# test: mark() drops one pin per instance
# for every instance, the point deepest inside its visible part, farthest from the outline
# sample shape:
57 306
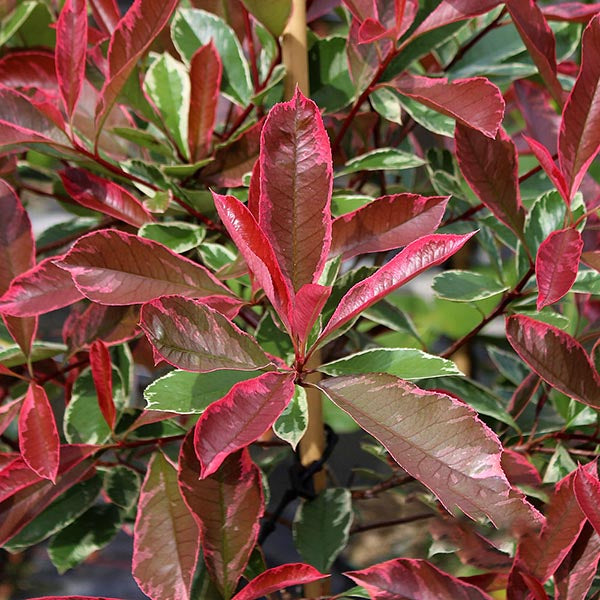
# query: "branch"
391 523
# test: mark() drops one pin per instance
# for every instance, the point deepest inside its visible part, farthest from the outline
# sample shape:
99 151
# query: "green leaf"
407 363
387 103
322 526
508 364
428 118
192 28
293 421
122 486
330 83
587 282
168 85
216 256
93 530
178 236
382 159
83 420
385 313
144 139
343 202
190 393
61 513
560 465
11 23
274 14
466 286
36 30
12 356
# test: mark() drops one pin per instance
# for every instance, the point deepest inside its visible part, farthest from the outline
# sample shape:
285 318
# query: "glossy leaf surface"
102 375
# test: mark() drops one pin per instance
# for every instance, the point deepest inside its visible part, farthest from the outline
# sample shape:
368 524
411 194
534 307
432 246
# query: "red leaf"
587 492
166 540
386 223
240 418
308 304
205 78
256 250
227 507
575 575
106 14
539 40
579 137
451 11
278 578
413 578
474 102
519 470
106 197
254 191
362 9
38 436
438 440
295 187
31 69
24 505
540 554
556 357
194 337
42 289
7 413
574 12
71 47
491 170
132 37
591 259
556 265
113 267
102 376
16 476
372 30
74 598
418 256
547 163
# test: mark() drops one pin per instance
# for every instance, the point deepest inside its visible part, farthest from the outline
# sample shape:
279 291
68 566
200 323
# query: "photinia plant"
256 278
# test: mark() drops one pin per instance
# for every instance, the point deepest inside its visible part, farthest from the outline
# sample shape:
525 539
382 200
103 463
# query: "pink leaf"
113 267
23 506
106 14
418 256
278 578
587 492
474 102
16 476
556 357
38 436
575 575
556 265
579 137
451 11
491 170
362 9
519 470
413 578
44 288
71 47
308 304
574 12
240 418
254 191
386 223
166 540
8 412
103 195
547 163
194 337
30 69
438 440
227 507
132 37
296 181
539 40
372 30
205 78
256 250
102 376
540 554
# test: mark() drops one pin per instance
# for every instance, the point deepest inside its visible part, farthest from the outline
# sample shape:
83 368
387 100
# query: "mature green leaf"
466 286
407 363
381 159
12 356
178 236
122 486
10 24
587 282
322 527
273 13
293 421
386 102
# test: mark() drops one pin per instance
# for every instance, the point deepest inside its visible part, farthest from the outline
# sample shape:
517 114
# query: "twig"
392 482
391 523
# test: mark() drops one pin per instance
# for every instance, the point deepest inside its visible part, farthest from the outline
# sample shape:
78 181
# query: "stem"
391 523
388 484
251 49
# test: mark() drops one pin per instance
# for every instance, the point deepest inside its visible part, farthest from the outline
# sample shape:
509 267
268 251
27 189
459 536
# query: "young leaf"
166 539
322 527
439 441
580 129
194 337
556 357
406 363
249 409
413 578
132 37
102 375
113 267
386 223
206 70
307 306
295 187
293 421
572 12
474 102
547 163
278 578
71 48
491 170
556 265
450 11
587 492
38 436
419 255
106 14
227 507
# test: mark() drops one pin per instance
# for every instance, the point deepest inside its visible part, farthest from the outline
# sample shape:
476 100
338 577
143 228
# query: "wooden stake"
294 53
